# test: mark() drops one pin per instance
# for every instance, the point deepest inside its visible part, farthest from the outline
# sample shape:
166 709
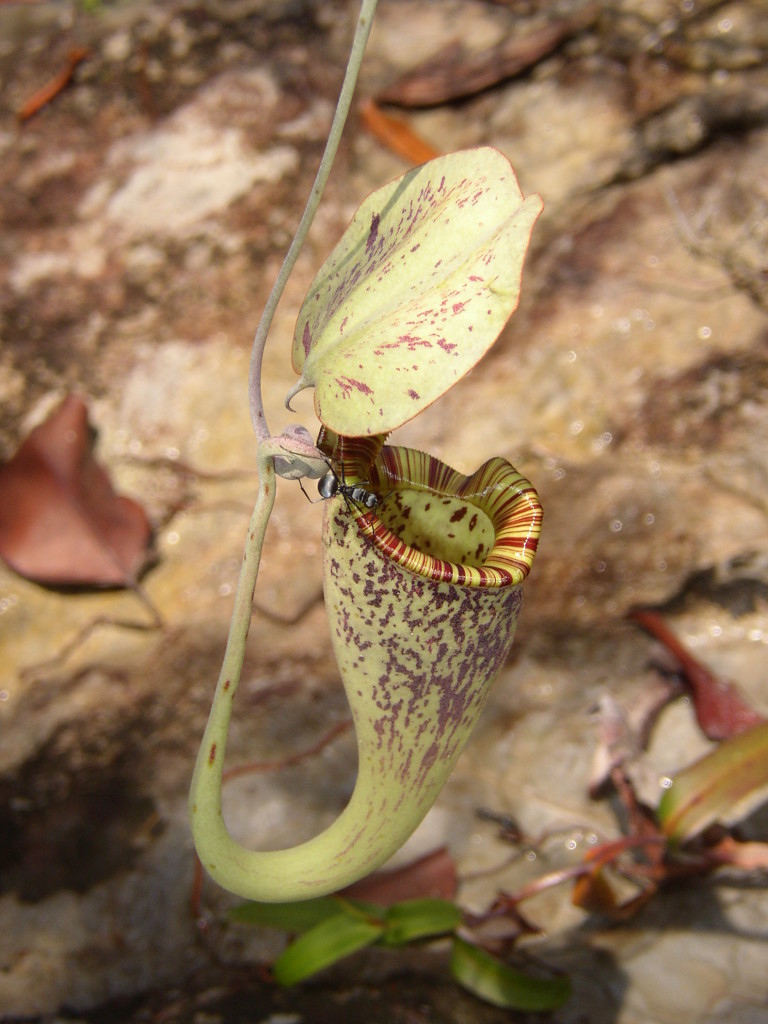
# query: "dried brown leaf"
722 710
432 876
453 74
61 522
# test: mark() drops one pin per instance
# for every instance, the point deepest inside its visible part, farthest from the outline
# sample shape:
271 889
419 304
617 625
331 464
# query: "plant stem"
362 31
205 791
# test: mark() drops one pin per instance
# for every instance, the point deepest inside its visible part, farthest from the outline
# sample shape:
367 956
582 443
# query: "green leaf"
416 291
722 786
291 917
496 983
325 944
419 919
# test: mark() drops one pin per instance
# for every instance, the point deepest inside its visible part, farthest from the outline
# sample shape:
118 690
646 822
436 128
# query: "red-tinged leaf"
720 787
433 876
61 523
721 708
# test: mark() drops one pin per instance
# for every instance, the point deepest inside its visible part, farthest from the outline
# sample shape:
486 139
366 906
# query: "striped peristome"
480 530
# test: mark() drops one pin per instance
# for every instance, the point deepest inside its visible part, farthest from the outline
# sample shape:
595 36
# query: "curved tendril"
362 31
208 829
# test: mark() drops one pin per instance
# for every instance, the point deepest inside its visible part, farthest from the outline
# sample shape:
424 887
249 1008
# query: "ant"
330 485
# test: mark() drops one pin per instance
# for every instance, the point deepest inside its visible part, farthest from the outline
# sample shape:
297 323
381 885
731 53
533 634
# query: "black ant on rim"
330 485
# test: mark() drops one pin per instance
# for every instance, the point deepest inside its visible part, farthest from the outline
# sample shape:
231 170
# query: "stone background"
144 214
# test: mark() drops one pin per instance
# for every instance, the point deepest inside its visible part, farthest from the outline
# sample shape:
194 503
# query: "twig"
52 88
395 134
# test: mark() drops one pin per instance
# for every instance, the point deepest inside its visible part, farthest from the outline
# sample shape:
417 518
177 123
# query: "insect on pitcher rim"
480 530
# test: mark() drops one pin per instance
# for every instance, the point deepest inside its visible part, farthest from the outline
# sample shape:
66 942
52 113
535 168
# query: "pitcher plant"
422 566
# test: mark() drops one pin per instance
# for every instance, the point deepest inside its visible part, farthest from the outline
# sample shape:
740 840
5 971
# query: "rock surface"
145 212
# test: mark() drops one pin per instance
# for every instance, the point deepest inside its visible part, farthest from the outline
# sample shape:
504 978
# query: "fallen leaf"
61 522
453 73
722 710
433 875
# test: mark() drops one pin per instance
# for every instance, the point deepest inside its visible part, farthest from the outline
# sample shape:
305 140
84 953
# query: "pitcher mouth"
477 531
